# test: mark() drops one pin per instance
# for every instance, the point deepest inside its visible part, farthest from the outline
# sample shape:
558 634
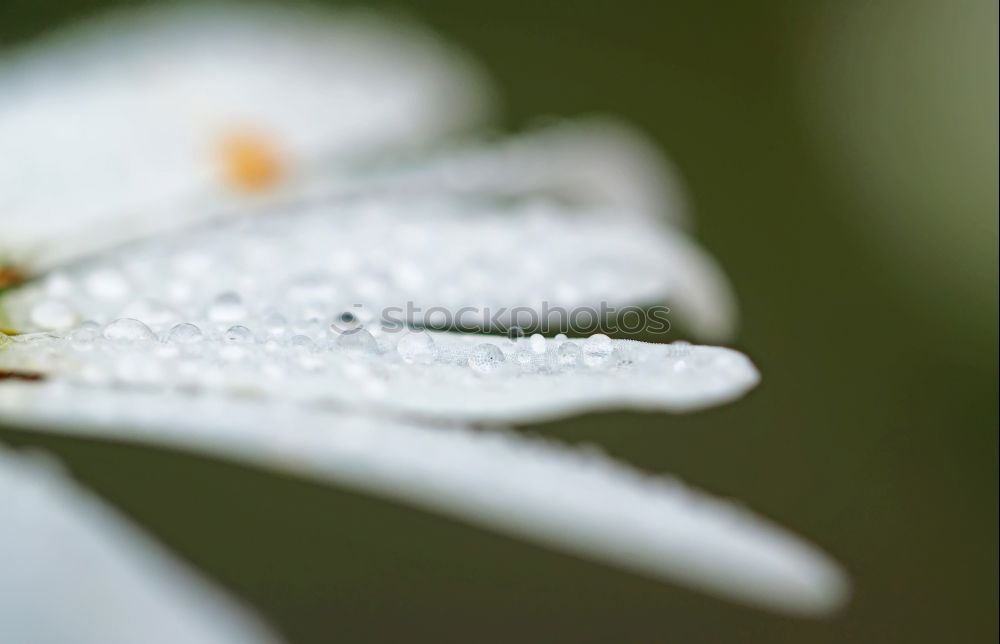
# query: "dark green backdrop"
874 432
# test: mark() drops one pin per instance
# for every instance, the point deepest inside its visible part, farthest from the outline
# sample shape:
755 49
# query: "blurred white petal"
598 165
72 570
577 500
318 260
129 123
597 162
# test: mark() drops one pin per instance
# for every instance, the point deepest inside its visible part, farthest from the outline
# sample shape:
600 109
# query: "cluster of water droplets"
263 354
315 261
294 305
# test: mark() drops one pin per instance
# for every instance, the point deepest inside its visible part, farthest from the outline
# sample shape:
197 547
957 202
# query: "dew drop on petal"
85 334
302 343
527 360
184 333
487 358
417 347
538 343
621 356
358 341
239 334
596 350
345 320
53 315
127 330
227 307
569 354
680 348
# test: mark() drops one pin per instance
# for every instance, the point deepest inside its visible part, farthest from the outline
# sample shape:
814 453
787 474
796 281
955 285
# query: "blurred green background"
841 159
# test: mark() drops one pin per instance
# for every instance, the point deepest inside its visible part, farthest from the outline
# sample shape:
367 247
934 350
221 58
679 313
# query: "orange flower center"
250 161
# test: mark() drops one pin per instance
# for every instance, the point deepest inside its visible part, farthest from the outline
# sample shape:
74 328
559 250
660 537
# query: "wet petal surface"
421 374
473 263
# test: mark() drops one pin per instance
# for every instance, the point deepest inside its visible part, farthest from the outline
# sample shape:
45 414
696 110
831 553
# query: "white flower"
147 122
280 334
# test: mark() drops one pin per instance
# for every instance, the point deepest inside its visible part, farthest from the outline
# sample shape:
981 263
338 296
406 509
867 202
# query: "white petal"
468 377
317 260
595 161
72 570
599 164
121 121
573 499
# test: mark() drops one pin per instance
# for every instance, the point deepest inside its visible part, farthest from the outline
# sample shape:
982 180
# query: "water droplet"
302 343
487 358
538 343
569 354
679 349
596 350
417 347
239 334
184 333
227 307
357 341
621 356
515 333
127 330
85 334
528 360
54 315
345 321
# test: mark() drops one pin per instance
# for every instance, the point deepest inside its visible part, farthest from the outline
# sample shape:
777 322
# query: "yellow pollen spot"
250 162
